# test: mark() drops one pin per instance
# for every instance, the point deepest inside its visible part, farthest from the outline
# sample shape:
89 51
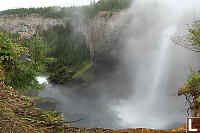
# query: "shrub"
21 60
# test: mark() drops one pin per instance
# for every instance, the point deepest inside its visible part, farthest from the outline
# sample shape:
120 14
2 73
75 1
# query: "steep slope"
19 114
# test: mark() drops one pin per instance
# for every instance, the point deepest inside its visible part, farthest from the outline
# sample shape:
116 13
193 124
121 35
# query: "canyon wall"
28 25
97 31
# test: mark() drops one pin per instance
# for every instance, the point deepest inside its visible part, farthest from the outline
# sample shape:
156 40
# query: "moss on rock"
63 74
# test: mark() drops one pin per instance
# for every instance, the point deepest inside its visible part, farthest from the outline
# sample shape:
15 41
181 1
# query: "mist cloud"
141 91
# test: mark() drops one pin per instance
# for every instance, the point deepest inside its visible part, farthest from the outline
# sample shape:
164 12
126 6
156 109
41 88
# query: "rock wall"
101 35
98 31
28 25
96 35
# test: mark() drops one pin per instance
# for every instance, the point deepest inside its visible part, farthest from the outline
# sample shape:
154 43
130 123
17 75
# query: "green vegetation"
9 50
192 40
67 46
48 12
19 71
106 5
194 83
18 114
194 36
198 99
58 12
69 49
84 73
68 57
191 89
192 86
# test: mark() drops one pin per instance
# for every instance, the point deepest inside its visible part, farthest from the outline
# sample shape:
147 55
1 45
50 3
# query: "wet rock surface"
48 104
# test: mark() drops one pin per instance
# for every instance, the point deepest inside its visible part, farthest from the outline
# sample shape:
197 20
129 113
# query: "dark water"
83 104
97 109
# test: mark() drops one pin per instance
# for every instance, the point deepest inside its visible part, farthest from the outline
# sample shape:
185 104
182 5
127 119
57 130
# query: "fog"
158 67
142 91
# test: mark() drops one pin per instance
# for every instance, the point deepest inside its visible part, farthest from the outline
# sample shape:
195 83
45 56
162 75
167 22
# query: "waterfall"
160 60
157 66
142 91
42 80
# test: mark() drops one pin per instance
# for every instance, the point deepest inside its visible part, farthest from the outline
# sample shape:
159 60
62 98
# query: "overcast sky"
10 4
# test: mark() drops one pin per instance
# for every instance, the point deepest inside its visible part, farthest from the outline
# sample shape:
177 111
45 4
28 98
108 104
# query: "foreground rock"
139 130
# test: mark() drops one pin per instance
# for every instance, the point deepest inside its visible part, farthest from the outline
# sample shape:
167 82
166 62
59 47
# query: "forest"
21 60
69 51
60 12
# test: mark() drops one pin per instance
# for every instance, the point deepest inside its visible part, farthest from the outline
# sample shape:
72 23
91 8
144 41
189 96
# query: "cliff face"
28 25
97 31
97 35
102 37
